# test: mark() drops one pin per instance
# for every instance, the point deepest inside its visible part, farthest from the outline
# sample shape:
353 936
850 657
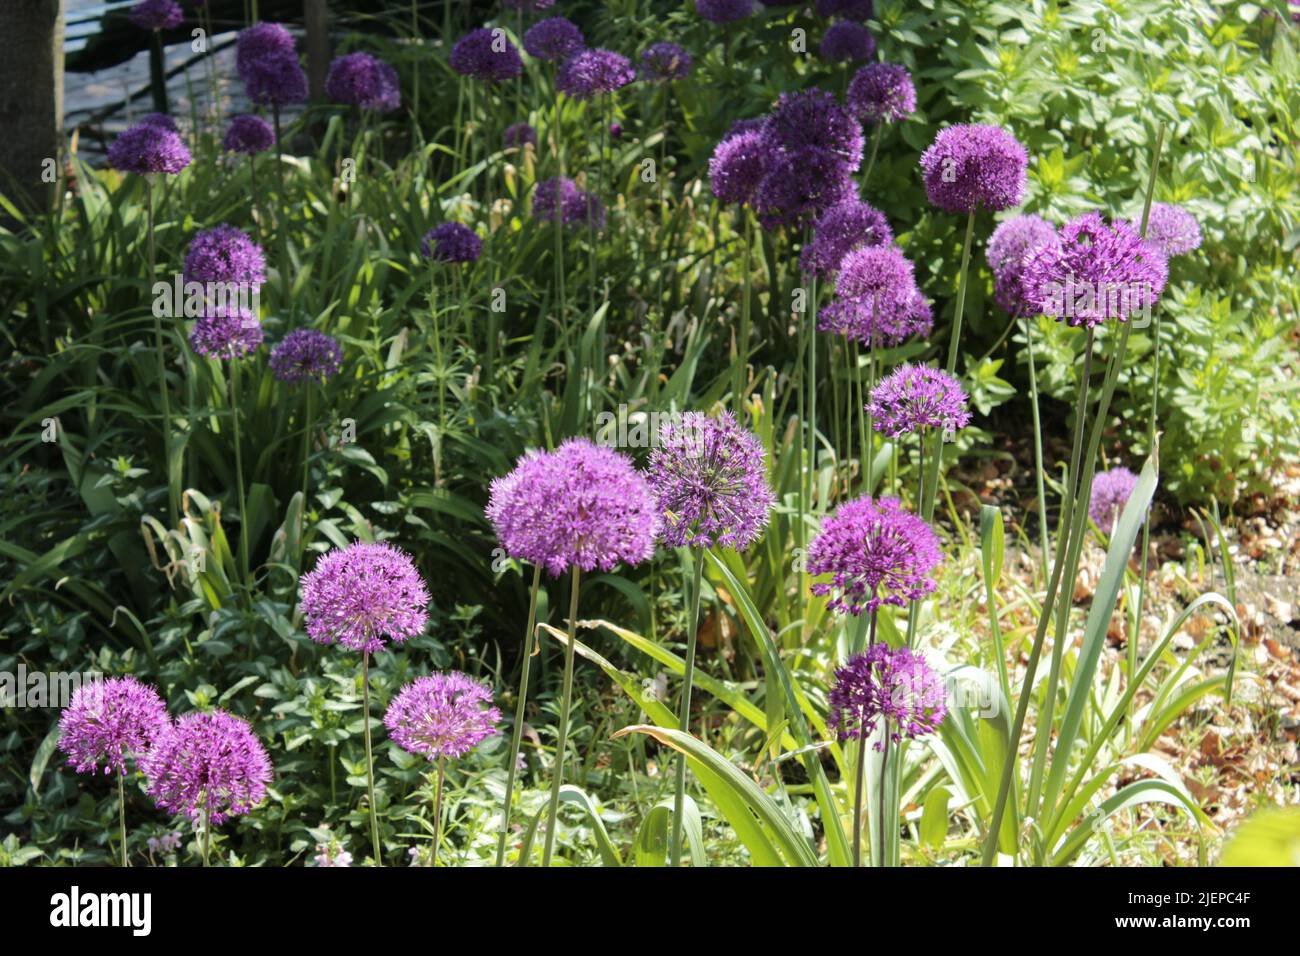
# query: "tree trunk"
31 98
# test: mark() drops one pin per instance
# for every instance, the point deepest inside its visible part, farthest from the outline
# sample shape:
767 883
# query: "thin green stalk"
742 346
684 712
961 295
239 474
885 852
562 740
875 148
173 481
516 734
812 388
1038 446
121 816
207 830
370 757
860 786
437 807
306 465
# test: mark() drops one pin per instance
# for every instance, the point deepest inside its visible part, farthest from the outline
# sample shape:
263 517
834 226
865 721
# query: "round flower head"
1010 248
360 595
1172 229
306 355
362 80
724 11
442 715
226 334
709 477
581 505
800 185
895 684
589 73
914 397
882 93
148 148
157 14
876 553
225 254
519 134
249 134
876 297
970 167
109 722
451 242
846 41
159 119
209 762
848 9
814 119
486 54
1110 492
553 39
841 229
664 61
560 200
738 165
1097 271
260 42
276 81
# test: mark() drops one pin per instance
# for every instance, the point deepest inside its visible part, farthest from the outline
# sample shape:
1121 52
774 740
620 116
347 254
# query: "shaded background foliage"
1082 85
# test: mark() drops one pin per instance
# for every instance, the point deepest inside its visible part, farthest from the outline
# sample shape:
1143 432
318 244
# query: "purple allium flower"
110 721
664 61
365 81
1010 248
362 594
148 148
553 39
615 130
266 58
518 134
848 9
249 134
208 762
225 254
846 41
451 242
589 73
164 121
882 93
260 42
914 397
709 476
877 301
724 11
1110 492
813 118
1095 272
306 354
442 715
738 165
226 334
486 54
561 199
157 14
798 186
876 553
894 684
974 166
841 229
1172 229
582 504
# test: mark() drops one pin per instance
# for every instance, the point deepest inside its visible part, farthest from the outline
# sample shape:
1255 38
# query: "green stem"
875 147
1038 446
207 830
562 739
437 807
742 347
121 816
173 481
516 735
859 786
239 473
370 758
885 853
684 712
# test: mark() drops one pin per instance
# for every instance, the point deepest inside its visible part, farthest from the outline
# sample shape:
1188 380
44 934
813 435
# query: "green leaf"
652 837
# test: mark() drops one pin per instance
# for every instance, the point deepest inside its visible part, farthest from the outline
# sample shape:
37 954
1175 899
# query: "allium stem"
875 147
173 481
742 346
562 739
239 474
1038 445
684 712
121 815
885 850
861 785
521 702
812 387
961 295
207 829
306 469
370 758
437 807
